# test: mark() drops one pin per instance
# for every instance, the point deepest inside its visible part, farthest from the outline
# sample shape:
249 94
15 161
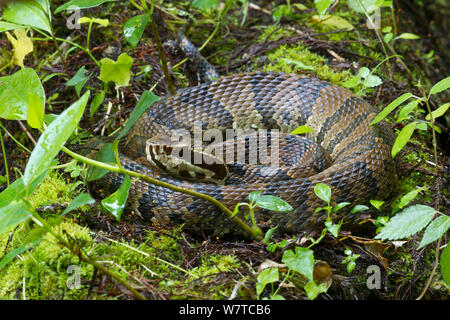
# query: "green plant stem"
88 40
84 257
256 234
427 103
14 139
436 262
161 53
4 158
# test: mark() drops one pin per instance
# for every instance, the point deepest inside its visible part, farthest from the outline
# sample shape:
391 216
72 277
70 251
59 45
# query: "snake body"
361 166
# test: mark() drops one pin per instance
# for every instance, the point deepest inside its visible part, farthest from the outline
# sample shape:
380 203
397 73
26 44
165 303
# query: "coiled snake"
360 165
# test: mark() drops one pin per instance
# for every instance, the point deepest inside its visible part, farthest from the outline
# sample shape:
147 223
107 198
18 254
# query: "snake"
355 161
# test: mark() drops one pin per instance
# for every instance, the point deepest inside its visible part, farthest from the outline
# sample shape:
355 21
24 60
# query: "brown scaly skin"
362 167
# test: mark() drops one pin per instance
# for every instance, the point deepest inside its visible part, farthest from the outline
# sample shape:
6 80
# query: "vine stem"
84 257
4 158
255 234
436 262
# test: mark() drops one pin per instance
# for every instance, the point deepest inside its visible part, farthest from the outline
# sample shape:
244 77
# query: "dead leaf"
322 273
22 45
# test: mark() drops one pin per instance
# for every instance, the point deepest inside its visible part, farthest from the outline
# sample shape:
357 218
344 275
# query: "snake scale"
361 166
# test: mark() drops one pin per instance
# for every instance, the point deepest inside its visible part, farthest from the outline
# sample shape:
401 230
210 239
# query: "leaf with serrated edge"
407 222
435 230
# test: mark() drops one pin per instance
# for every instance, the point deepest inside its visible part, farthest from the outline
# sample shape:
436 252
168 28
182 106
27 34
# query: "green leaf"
273 203
372 81
53 139
78 80
408 36
407 198
363 72
134 28
14 96
254 196
445 264
14 253
105 155
333 21
15 212
323 192
340 205
403 138
204 4
322 6
81 4
302 261
35 114
377 203
302 129
332 228
388 37
442 85
437 228
359 208
406 110
146 100
115 203
391 107
6 26
407 222
439 111
27 14
80 200
265 277
313 290
363 6
117 71
96 102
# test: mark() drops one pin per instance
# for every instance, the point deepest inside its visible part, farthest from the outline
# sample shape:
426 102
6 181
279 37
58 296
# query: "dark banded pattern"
361 167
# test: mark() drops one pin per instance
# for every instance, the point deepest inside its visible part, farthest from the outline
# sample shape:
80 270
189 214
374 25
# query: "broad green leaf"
313 290
359 208
115 203
437 228
323 192
445 264
105 155
332 228
102 22
80 200
372 81
96 102
35 114
273 203
265 277
391 107
146 100
363 6
15 212
439 111
403 138
117 71
322 6
14 96
302 261
279 12
334 21
6 26
388 37
134 28
204 4
407 198
254 196
340 205
53 139
363 72
408 36
377 203
14 253
442 85
27 14
17 190
407 222
302 129
406 110
81 4
78 80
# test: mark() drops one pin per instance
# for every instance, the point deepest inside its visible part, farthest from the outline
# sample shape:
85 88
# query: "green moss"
293 59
